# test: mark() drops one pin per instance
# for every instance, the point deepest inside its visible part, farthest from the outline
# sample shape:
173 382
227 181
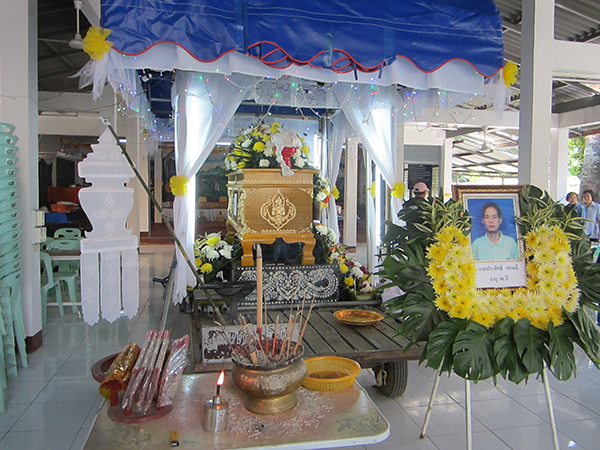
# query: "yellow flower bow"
372 189
179 185
398 190
95 43
335 193
510 73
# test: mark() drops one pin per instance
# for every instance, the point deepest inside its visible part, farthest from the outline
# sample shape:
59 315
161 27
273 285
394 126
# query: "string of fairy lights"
134 100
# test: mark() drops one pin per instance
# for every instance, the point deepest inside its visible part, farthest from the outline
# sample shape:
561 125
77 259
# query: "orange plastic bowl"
330 373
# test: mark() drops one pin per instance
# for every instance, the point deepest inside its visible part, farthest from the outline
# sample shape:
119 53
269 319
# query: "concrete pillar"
446 169
350 193
536 92
137 148
158 182
18 105
559 161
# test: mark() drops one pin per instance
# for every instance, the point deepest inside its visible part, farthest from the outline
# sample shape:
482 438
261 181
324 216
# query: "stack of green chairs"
12 328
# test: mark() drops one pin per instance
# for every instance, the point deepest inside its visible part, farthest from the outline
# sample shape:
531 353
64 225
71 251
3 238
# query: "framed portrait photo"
495 239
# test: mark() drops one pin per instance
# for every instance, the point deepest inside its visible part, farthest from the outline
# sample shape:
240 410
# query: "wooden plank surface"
325 335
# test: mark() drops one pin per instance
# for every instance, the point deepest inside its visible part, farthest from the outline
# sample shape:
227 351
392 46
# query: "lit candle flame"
220 381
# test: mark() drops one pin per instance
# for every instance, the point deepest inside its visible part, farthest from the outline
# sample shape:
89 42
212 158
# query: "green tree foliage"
576 151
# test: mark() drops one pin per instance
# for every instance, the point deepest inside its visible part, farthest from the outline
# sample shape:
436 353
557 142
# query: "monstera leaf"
506 354
439 349
473 353
562 357
418 319
588 334
531 346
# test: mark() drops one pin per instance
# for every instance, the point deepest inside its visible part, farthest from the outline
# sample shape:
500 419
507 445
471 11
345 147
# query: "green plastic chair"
72 233
51 280
64 244
12 318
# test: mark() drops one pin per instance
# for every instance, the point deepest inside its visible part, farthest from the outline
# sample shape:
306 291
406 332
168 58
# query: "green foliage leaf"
588 334
531 346
562 357
419 318
438 351
506 355
473 355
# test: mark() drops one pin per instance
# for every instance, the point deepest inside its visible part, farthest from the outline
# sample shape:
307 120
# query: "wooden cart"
372 346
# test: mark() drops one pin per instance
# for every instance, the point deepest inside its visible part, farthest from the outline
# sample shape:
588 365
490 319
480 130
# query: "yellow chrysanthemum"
259 146
348 281
343 268
458 311
435 270
372 190
305 150
206 268
212 241
483 318
335 193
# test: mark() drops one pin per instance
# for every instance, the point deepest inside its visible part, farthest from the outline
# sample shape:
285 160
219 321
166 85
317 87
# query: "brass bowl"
270 390
358 317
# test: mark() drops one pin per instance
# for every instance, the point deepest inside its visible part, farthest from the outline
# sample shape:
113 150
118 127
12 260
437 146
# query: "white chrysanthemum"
246 143
226 252
321 229
321 196
269 149
357 272
299 162
331 234
264 163
211 253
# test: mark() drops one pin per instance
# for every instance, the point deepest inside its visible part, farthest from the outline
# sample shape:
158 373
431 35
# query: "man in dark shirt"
419 191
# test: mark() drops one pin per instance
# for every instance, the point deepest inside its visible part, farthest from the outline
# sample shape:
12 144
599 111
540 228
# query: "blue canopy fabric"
338 35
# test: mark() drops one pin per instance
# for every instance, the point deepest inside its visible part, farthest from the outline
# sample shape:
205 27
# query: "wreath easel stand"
468 409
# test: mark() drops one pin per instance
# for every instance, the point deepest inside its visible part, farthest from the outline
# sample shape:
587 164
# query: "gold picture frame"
495 238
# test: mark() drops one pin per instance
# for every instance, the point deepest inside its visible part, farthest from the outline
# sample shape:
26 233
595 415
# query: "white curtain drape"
341 130
203 104
371 110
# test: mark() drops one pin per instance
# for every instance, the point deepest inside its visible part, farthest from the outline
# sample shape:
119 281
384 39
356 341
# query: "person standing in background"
419 191
572 206
591 212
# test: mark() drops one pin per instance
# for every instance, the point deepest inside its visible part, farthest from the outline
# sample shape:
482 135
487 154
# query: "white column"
559 161
446 169
398 169
536 92
138 151
350 193
18 105
158 183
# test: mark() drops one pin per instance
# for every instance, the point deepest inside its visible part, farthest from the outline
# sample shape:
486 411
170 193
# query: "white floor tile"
565 409
482 440
53 416
497 414
584 432
537 437
444 419
39 439
60 391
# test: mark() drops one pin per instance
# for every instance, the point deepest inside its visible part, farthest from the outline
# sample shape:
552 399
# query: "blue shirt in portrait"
484 250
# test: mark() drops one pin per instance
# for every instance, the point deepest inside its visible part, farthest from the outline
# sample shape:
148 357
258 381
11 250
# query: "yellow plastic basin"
330 373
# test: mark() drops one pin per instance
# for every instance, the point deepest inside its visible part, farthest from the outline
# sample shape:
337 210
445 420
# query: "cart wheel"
392 378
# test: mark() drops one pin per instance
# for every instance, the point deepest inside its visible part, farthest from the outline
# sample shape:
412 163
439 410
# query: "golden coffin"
264 205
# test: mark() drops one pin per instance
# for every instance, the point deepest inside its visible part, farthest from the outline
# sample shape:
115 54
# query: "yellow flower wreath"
551 281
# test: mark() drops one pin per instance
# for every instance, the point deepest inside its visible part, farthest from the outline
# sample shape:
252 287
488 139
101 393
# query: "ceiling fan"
77 42
485 148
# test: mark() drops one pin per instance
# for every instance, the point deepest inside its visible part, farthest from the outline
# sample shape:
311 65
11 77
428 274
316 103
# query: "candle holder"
215 415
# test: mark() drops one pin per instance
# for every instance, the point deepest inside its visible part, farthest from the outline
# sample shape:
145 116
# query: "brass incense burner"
270 389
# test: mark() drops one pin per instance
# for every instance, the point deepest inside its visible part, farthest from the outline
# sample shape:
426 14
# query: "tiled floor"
52 403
